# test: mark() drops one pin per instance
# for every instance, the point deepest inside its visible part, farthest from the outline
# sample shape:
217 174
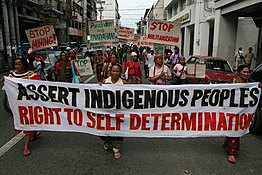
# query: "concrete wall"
225 35
247 35
158 11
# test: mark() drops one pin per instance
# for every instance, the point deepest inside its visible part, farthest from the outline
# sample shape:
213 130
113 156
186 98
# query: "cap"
133 54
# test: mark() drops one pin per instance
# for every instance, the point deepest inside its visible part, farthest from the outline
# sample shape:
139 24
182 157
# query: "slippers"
106 146
35 136
231 159
117 155
26 152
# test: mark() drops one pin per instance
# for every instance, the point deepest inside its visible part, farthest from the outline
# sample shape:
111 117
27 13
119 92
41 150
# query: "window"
192 60
217 65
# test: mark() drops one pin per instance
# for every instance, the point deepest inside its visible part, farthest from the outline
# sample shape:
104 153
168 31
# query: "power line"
137 9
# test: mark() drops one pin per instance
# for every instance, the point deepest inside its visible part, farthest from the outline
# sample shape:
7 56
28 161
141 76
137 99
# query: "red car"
218 70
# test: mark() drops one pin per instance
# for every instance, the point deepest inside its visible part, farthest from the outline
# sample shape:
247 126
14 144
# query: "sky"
131 11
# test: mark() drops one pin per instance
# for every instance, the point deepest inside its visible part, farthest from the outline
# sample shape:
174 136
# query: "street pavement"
62 153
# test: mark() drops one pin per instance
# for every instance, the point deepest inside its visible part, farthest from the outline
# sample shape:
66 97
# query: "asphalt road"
56 153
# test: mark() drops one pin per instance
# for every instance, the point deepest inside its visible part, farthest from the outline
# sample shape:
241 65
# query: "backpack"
241 56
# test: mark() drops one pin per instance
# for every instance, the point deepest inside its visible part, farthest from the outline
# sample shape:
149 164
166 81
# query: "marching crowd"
122 65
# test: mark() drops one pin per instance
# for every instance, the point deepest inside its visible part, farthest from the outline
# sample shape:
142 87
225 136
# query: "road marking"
6 147
89 79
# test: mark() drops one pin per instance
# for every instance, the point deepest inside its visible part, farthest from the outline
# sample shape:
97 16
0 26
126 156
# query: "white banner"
101 31
164 32
133 110
84 66
143 42
126 33
42 37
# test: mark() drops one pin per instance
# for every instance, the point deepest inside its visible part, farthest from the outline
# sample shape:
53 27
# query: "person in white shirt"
180 71
148 60
151 58
239 57
159 74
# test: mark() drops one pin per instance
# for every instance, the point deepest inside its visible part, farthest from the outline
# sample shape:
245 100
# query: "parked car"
256 124
218 70
82 52
22 50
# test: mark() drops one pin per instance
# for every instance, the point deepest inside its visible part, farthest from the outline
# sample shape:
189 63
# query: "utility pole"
84 21
17 25
12 27
7 33
101 9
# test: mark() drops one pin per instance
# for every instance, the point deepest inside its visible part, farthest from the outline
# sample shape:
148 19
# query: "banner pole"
51 66
164 47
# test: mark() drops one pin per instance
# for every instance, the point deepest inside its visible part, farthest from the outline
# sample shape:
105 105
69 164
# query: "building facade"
159 12
197 24
69 18
229 36
109 9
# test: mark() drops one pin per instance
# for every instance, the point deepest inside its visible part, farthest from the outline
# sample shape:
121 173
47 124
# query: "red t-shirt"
134 68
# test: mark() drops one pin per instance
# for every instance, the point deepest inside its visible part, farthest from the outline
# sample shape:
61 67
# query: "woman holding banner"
159 74
231 144
21 71
115 142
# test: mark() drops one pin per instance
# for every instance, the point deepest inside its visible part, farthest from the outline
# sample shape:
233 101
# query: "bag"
241 56
75 79
176 80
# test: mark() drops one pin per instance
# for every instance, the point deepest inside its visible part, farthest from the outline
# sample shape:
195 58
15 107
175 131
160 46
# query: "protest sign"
143 42
133 111
125 33
84 66
42 37
164 32
101 31
135 40
99 46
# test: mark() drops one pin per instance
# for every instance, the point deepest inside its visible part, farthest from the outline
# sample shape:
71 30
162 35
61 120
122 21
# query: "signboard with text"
164 32
211 110
101 31
42 37
84 66
143 42
125 33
